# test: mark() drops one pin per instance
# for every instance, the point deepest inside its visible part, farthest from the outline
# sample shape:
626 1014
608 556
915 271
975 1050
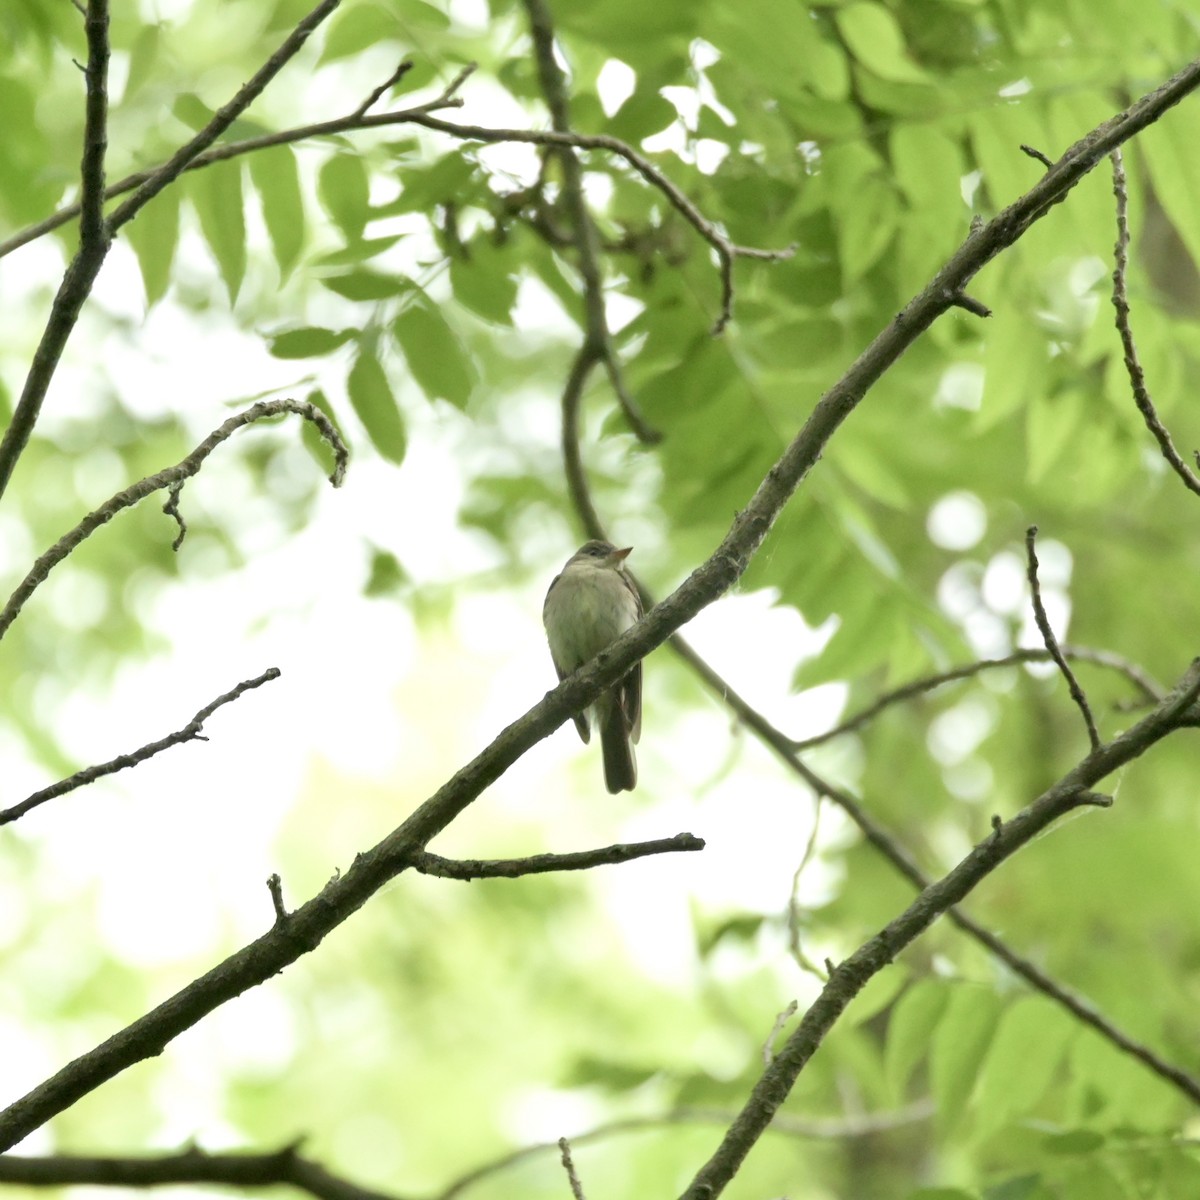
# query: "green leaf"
363 284
344 189
386 575
192 111
483 283
309 341
154 234
1051 422
959 1045
1023 1060
274 173
877 41
355 29
1014 357
423 187
373 401
357 252
643 114
143 58
436 357
910 1029
879 992
216 194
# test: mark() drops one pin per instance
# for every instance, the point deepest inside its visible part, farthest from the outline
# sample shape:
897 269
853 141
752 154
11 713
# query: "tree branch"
1120 300
587 243
849 977
95 233
192 731
893 853
1102 658
172 478
307 926
1043 624
541 864
239 1169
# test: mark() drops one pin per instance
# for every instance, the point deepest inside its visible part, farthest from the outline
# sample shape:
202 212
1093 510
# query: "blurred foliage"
401 266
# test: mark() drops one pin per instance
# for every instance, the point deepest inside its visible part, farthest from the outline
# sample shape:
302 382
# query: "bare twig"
171 477
1034 152
391 81
768 1047
239 1169
372 870
1150 690
1120 299
275 887
171 508
564 1149
970 304
541 864
96 234
1052 646
192 731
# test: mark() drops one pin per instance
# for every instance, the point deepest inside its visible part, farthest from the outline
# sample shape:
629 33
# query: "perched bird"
589 605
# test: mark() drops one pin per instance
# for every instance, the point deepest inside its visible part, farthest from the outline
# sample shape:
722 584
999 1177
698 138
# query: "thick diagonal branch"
311 922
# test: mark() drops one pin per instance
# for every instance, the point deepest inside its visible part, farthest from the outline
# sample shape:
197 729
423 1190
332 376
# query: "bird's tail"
620 766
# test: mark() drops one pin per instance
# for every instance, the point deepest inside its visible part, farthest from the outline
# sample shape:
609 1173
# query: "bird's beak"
617 557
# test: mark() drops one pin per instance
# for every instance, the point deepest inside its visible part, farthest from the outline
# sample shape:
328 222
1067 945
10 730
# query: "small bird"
589 605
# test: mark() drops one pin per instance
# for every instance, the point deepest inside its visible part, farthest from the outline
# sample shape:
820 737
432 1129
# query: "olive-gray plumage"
589 605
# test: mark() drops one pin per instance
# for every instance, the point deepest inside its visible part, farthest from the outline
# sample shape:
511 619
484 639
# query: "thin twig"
275 887
372 870
1151 691
1120 299
192 731
540 864
169 478
391 81
781 1020
1052 646
564 1149
1034 152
